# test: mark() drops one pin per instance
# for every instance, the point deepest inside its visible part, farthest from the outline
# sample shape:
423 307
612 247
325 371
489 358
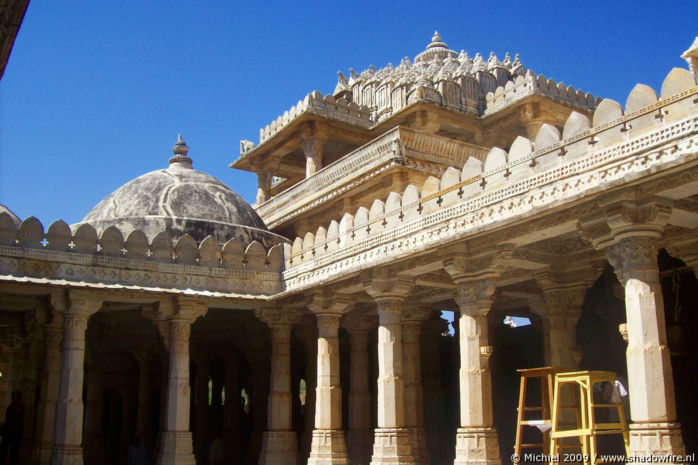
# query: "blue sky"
95 92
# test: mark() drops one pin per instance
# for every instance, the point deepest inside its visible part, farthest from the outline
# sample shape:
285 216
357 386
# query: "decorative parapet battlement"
164 262
328 106
401 145
615 146
530 84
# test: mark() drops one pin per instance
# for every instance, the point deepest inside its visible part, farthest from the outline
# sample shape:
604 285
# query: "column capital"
468 266
624 216
275 316
634 257
475 298
384 287
83 303
560 295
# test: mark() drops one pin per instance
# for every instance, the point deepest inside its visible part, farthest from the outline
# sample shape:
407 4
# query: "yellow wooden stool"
544 423
587 427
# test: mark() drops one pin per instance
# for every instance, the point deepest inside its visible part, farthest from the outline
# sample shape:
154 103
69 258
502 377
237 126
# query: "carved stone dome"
181 200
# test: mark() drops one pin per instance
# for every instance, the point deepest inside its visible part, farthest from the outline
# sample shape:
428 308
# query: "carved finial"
436 37
180 151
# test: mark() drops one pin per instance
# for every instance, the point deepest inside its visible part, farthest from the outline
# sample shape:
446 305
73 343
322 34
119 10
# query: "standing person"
12 429
137 455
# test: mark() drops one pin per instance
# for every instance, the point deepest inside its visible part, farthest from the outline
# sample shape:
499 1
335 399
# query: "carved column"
67 447
414 394
560 311
627 231
312 147
263 186
279 446
391 444
360 434
475 277
328 446
476 439
651 383
175 439
53 334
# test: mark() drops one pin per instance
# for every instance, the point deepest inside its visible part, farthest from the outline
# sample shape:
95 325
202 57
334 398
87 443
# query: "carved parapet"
60 240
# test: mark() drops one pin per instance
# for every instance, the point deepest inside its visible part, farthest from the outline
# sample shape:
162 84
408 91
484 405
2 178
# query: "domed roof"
182 201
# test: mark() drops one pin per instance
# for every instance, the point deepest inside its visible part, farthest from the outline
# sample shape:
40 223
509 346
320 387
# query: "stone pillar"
328 446
312 147
475 277
414 394
175 439
626 229
563 297
476 439
360 433
391 444
263 186
53 334
654 430
143 401
67 449
93 443
279 446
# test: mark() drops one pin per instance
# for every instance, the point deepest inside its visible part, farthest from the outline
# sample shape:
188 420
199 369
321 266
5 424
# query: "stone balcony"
400 146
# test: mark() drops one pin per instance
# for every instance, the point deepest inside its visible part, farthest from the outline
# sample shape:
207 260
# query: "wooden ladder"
544 423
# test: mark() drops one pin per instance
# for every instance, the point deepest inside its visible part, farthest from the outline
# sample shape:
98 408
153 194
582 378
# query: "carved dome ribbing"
180 200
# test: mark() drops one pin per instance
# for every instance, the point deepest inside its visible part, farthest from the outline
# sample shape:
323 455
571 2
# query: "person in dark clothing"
12 430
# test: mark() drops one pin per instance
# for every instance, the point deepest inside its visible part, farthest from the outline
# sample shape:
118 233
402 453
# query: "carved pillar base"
656 439
359 443
66 456
477 446
391 446
279 448
328 448
418 442
176 448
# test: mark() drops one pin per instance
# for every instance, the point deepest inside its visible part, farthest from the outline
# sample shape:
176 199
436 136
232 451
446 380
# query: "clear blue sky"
95 92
